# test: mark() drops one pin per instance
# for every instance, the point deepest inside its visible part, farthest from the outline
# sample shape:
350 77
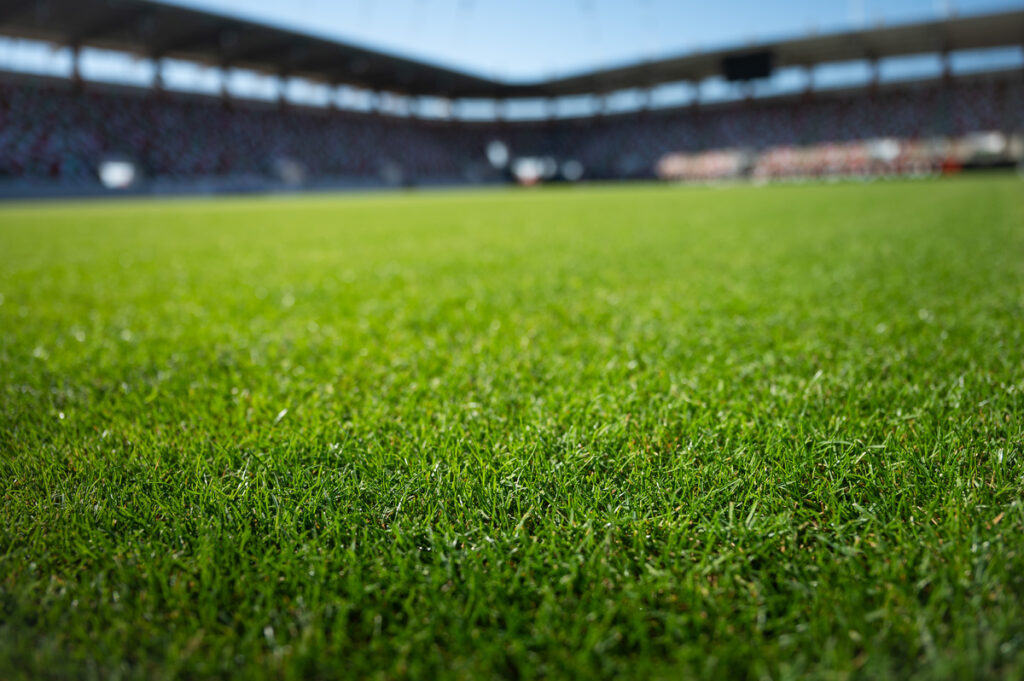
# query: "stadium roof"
961 33
157 29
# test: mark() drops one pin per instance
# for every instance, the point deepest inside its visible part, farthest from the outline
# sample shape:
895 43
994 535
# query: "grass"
641 432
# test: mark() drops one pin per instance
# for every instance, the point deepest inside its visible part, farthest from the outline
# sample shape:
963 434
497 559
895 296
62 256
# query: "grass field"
638 432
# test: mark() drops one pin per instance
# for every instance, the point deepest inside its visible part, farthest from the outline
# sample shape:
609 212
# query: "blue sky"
533 39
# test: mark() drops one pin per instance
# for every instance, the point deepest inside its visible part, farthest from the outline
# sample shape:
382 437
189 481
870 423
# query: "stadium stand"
48 133
51 133
57 133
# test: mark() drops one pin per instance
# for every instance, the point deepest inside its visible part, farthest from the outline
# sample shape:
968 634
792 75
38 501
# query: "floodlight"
117 173
497 154
572 170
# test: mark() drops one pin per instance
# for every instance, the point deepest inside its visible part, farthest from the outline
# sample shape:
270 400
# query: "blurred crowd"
866 158
904 129
53 133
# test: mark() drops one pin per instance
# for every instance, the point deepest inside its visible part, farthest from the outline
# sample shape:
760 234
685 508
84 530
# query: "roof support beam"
159 84
646 98
223 77
76 68
551 107
809 84
282 90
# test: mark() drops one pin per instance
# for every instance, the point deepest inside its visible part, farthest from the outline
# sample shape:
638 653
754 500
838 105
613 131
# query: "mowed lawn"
633 432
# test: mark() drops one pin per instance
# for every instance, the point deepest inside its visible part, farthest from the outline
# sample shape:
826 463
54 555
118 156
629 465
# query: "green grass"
612 432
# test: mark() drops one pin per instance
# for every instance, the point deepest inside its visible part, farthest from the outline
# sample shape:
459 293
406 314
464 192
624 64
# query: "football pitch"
631 432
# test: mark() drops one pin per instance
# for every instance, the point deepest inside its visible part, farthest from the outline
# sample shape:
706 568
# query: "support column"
748 90
159 84
646 98
809 87
77 84
551 106
282 87
225 95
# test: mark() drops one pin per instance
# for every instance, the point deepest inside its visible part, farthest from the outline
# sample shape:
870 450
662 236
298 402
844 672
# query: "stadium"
328 360
67 131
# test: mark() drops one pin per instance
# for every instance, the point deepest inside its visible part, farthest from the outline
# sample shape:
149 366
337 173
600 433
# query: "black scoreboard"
750 66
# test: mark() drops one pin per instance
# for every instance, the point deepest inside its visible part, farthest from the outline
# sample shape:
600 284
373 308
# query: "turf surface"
635 432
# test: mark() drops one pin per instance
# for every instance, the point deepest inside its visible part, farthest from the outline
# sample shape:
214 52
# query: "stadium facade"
66 135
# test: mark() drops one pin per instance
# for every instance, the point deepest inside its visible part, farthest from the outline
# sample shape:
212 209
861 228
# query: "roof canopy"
961 33
156 29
